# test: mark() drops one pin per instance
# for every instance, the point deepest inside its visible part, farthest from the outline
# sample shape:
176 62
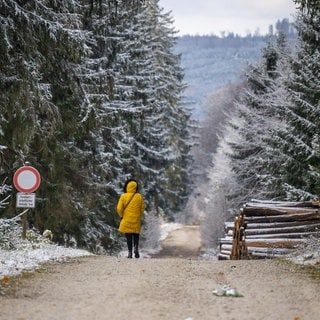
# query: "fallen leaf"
5 279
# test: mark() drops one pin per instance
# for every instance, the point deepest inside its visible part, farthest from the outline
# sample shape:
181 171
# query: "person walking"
130 208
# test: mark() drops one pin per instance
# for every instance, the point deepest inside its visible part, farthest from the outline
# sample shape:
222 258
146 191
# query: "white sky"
238 16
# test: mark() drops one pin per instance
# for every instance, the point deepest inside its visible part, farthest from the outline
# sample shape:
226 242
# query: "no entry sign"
26 179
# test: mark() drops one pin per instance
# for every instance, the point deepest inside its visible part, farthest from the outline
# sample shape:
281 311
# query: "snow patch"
19 255
15 262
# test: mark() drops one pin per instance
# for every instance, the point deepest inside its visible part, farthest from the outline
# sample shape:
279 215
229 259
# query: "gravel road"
170 286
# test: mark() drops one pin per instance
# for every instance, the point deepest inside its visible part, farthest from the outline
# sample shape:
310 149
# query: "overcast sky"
238 16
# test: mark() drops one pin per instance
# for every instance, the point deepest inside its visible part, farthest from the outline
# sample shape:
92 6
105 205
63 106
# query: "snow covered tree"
300 177
247 160
163 142
90 95
147 127
41 42
253 156
283 129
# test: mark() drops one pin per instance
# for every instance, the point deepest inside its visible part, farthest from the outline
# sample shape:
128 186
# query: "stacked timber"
226 242
268 229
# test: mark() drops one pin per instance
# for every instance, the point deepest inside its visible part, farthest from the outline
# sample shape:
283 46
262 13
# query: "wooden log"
273 243
305 204
226 247
226 240
230 233
281 224
267 211
269 250
302 228
229 224
226 252
262 211
298 235
313 215
263 255
223 256
238 244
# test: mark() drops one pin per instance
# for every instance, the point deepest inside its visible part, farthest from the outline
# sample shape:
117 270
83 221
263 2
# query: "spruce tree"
253 154
301 169
41 43
90 95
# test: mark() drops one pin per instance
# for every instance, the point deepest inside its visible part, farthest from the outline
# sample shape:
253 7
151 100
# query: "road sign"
26 200
26 179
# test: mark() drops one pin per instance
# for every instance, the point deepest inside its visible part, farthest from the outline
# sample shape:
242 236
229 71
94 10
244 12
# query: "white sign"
26 200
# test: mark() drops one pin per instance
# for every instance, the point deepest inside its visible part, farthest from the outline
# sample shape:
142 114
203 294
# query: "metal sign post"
26 180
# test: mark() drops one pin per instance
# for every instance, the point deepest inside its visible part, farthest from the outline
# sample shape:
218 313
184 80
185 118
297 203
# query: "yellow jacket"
130 213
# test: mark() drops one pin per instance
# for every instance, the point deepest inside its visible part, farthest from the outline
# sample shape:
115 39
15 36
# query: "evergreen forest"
90 95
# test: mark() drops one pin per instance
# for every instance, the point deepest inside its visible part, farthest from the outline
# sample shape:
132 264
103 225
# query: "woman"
130 209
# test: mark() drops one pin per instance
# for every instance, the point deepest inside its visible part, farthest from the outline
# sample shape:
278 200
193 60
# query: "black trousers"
132 239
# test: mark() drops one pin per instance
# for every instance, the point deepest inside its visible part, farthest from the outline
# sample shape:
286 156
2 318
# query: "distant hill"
211 62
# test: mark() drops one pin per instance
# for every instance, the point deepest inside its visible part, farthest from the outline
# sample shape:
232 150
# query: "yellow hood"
131 187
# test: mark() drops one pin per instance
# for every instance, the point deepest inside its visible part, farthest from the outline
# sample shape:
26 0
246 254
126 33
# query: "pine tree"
284 164
301 169
168 145
253 156
41 43
95 101
152 124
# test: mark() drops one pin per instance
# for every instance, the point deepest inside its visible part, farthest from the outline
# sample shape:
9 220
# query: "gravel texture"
170 286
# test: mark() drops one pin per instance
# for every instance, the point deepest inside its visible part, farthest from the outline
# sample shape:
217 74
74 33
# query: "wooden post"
238 243
24 224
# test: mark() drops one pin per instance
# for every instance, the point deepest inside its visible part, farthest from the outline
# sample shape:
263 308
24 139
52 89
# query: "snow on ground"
15 262
18 255
309 254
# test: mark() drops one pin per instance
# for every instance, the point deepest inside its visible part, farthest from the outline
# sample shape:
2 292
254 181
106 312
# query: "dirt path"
166 287
182 243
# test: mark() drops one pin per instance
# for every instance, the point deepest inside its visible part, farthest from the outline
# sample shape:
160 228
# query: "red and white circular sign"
26 179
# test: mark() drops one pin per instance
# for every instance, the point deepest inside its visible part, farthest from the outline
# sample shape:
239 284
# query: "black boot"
129 244
136 245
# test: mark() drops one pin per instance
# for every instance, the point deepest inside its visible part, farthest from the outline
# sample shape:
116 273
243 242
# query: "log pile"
268 229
